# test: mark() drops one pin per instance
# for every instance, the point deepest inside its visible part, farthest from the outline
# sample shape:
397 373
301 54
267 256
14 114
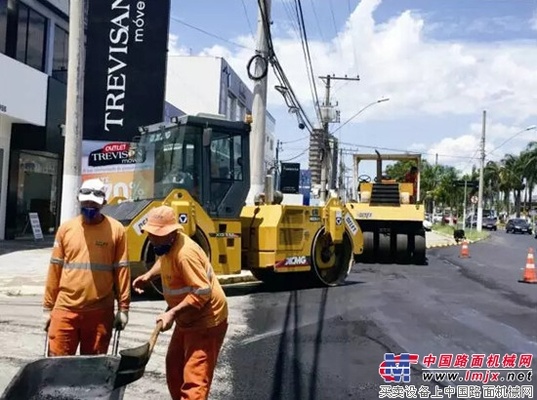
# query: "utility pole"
277 165
435 172
325 145
341 181
481 173
72 159
464 204
259 106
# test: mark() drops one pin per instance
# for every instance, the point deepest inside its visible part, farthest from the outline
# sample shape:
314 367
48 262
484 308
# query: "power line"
307 57
296 140
248 18
297 156
317 19
209 33
404 151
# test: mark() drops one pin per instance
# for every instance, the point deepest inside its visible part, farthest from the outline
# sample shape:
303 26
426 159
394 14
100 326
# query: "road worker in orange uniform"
412 177
88 271
197 305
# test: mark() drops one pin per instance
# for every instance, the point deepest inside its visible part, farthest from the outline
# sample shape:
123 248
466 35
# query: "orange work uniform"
412 178
199 332
88 271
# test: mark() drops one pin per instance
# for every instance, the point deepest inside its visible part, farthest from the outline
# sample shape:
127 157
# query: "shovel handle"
154 336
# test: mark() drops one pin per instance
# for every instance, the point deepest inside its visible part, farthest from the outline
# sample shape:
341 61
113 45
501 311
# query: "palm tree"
531 169
513 178
491 179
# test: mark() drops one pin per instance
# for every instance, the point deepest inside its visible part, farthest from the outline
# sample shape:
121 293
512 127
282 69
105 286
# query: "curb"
232 279
435 246
453 244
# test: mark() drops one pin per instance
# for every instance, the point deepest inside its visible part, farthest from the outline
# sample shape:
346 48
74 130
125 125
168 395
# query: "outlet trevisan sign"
125 69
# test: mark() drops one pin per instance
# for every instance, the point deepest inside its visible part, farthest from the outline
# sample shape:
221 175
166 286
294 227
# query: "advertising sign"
305 185
125 70
290 178
125 171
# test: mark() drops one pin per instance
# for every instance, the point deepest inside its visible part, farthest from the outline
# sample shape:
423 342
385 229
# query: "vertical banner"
305 185
125 68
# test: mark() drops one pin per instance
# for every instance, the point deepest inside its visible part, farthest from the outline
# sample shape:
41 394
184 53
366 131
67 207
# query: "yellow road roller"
200 166
390 213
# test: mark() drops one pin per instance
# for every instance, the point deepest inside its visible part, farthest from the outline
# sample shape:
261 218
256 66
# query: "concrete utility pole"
481 173
72 155
259 107
277 166
325 145
341 182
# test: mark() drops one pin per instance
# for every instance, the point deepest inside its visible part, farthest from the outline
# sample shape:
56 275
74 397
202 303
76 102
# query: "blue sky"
441 62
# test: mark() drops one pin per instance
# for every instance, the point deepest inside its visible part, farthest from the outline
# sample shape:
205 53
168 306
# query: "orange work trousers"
91 329
191 360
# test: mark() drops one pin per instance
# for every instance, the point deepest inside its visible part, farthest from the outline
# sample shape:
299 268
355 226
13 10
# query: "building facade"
33 75
33 90
200 84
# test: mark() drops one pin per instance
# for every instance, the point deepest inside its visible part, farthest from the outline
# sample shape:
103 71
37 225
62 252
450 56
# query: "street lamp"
361 111
349 120
529 128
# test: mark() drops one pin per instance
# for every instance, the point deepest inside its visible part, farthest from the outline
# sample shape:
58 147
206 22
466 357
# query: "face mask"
89 213
162 249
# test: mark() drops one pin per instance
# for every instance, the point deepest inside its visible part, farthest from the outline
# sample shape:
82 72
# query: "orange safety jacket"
89 268
187 273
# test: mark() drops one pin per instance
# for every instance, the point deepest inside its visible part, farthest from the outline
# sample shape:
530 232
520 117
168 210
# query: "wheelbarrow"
102 377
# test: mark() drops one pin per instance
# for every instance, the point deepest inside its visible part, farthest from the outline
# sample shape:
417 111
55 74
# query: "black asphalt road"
321 344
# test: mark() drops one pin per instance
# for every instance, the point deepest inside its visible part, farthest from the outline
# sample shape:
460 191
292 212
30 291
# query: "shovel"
133 361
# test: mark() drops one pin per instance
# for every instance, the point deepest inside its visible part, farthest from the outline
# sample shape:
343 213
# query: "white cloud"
533 21
420 75
464 151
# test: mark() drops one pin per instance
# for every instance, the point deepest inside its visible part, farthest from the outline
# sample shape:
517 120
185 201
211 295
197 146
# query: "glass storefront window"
61 51
3 25
31 37
37 191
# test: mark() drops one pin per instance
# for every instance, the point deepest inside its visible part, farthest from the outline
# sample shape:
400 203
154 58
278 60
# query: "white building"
209 85
33 64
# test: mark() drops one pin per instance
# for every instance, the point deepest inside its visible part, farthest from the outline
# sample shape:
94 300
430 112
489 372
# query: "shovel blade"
134 358
123 378
132 365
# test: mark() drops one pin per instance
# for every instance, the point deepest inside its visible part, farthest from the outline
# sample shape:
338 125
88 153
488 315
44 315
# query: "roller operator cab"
390 212
200 166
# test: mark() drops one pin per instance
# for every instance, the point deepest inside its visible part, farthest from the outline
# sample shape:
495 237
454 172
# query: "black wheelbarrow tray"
66 378
81 377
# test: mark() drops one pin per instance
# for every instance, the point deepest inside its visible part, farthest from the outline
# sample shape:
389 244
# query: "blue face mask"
162 249
89 213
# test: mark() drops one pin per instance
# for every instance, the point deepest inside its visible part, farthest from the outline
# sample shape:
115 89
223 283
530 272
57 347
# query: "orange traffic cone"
465 252
529 271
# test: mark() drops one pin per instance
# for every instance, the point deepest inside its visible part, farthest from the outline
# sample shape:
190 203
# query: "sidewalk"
24 265
437 239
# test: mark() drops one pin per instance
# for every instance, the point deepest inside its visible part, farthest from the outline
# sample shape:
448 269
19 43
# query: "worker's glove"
122 317
46 319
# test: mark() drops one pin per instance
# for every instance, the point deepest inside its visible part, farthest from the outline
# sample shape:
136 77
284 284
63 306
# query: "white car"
427 225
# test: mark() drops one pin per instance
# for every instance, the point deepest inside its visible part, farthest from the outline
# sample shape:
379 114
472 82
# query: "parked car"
490 224
515 225
427 225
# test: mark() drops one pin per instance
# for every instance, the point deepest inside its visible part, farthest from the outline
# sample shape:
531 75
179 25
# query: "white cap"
92 190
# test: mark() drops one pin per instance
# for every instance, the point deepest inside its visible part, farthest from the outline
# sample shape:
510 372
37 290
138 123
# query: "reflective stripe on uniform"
122 264
186 289
189 289
57 261
89 266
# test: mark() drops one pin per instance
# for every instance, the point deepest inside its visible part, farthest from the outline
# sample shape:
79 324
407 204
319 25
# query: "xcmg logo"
295 261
